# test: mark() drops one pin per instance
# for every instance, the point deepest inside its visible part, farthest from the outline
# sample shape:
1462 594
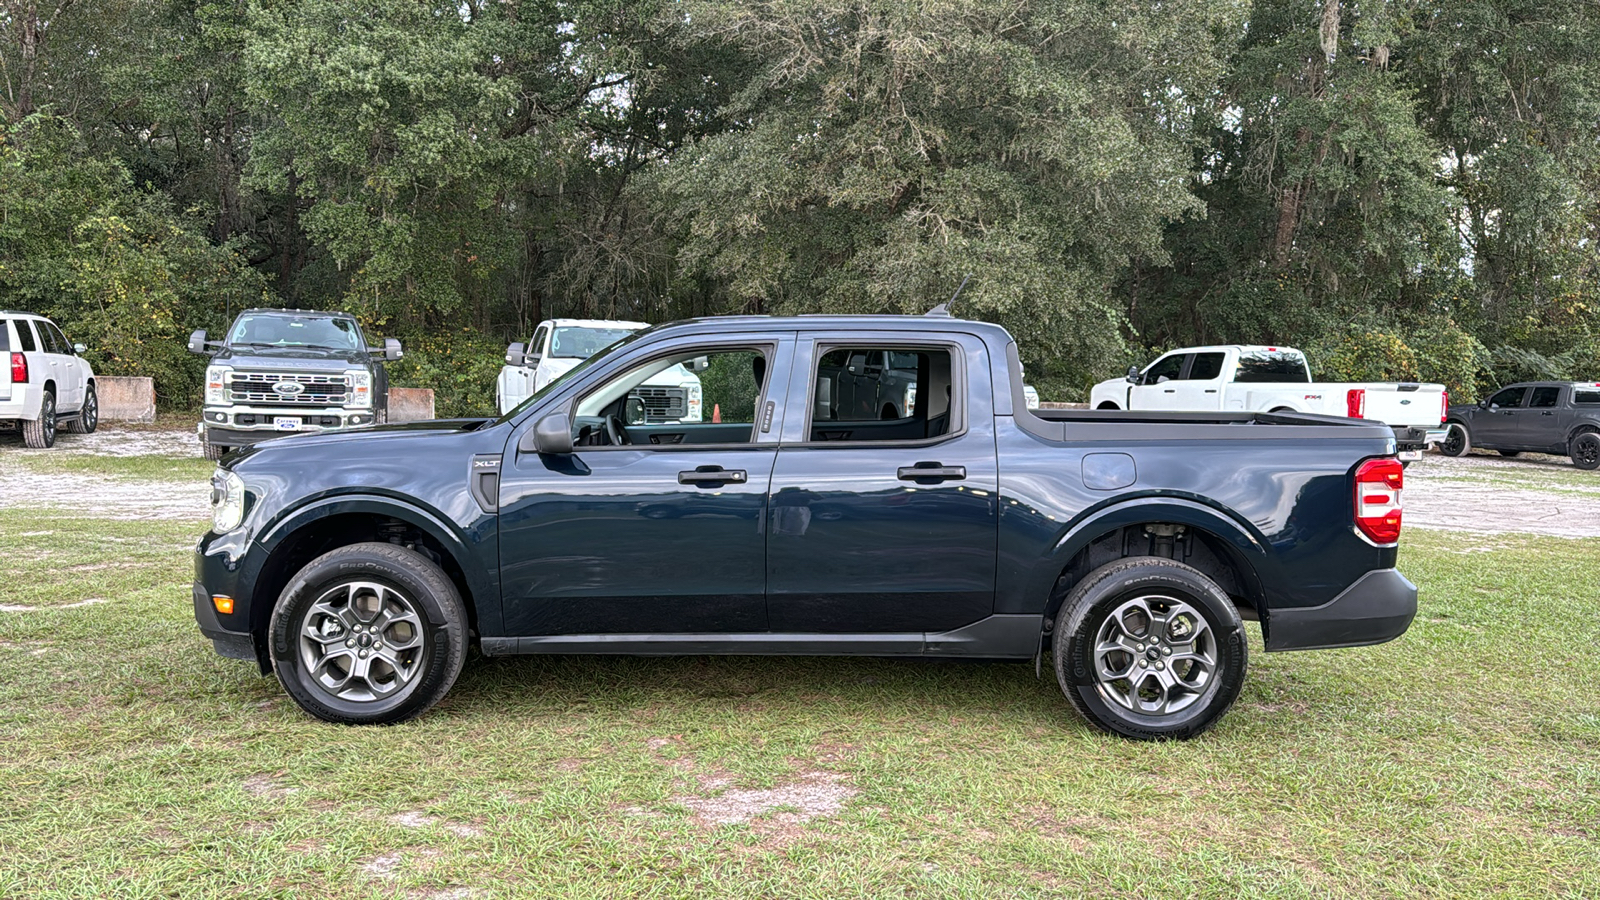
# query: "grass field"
1459 761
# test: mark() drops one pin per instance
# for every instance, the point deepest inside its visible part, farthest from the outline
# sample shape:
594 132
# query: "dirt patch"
267 787
18 608
809 796
1461 495
104 497
115 442
419 819
388 865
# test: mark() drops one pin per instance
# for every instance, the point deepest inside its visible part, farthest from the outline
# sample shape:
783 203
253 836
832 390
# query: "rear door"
63 366
1542 425
884 526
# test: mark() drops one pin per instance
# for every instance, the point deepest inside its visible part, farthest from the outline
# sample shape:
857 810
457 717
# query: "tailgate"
1415 405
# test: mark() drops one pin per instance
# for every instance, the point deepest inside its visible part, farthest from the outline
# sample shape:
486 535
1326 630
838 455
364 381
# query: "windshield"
627 338
582 342
318 332
1271 366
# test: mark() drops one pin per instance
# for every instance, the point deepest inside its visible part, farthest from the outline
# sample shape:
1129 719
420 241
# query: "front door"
1495 428
884 525
647 529
1157 388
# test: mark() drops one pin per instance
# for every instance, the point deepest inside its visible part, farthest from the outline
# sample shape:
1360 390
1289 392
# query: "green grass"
140 468
1460 760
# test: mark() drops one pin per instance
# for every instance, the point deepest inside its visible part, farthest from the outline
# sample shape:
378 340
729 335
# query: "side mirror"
697 365
1483 404
79 348
551 435
1133 374
633 411
197 341
516 354
391 349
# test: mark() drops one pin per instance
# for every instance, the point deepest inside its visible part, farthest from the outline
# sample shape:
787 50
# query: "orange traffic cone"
716 413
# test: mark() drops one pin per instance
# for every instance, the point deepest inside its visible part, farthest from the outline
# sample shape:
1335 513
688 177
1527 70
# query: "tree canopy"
1405 189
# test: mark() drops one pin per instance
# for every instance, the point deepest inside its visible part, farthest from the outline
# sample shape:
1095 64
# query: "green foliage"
1362 354
729 384
459 364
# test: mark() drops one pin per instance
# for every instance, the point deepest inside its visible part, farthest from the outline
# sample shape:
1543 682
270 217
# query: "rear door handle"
931 473
713 475
1547 413
1170 391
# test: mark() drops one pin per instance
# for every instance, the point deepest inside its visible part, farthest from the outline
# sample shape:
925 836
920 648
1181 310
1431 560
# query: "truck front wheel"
1150 649
368 634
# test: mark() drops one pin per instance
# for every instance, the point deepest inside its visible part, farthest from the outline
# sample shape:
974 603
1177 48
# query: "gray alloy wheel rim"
90 416
362 642
1587 451
1455 439
47 415
1154 655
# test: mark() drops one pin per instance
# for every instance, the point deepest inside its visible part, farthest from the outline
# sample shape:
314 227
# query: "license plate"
286 423
1410 455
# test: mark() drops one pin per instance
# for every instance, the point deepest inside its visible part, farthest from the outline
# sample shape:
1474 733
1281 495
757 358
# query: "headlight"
360 388
227 501
217 384
910 404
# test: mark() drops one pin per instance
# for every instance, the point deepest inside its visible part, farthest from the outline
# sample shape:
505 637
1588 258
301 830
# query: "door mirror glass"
633 412
79 348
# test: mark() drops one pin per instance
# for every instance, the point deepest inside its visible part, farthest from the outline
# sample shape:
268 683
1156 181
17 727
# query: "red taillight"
1444 407
1377 499
19 368
1355 403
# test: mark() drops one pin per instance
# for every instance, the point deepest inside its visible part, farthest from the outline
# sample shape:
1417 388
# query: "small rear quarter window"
1586 396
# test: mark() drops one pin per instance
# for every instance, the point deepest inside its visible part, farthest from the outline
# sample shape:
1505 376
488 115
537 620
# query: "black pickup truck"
1560 417
1128 547
289 370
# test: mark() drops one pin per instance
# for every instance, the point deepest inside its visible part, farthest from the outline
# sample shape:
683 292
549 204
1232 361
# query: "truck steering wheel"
616 435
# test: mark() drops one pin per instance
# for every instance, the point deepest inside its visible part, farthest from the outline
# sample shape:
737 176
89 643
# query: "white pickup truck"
671 395
1274 379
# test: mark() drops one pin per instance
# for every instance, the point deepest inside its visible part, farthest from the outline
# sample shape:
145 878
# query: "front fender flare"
484 589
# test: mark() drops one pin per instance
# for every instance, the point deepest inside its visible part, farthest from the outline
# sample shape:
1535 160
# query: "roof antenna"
943 309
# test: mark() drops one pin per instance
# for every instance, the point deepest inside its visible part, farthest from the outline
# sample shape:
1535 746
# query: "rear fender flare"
1246 545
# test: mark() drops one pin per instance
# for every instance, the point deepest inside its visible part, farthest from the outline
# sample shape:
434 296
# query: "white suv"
46 383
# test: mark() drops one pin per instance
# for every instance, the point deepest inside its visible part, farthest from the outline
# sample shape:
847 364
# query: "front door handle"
1170 391
1547 413
713 475
931 473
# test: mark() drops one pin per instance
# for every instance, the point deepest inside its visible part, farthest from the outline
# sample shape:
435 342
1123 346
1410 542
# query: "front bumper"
220 567
240 425
1379 607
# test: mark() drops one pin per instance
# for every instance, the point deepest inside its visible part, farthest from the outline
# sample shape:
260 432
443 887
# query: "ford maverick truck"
1128 548
289 370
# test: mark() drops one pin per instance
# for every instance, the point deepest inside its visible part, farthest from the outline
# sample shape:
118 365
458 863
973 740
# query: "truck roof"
828 322
297 312
596 323
1242 348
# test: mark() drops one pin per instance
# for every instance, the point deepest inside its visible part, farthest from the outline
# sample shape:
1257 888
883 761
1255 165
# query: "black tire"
1585 451
888 413
356 572
1185 592
1510 454
88 414
1456 440
211 451
1107 404
40 433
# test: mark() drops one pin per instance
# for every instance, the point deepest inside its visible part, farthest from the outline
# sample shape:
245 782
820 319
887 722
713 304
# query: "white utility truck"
1237 377
558 345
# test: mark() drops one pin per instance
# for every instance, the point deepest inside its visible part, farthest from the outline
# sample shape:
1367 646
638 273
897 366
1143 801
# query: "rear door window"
852 401
1544 397
1510 398
1206 366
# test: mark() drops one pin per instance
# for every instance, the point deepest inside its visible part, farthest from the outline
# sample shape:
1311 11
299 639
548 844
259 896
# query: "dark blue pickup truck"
1125 546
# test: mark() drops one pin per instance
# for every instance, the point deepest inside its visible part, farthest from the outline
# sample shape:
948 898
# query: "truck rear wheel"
1150 649
40 433
368 634
1585 451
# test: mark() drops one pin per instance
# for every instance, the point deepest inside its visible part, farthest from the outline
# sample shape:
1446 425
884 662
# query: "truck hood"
358 440
291 359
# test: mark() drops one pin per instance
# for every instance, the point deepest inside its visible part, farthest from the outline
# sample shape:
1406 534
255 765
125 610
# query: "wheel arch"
1581 428
1108 404
1225 550
316 528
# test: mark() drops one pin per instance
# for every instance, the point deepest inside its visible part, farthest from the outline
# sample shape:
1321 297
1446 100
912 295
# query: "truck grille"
316 390
662 403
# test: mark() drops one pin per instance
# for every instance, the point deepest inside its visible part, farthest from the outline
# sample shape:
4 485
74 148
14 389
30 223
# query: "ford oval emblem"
288 388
